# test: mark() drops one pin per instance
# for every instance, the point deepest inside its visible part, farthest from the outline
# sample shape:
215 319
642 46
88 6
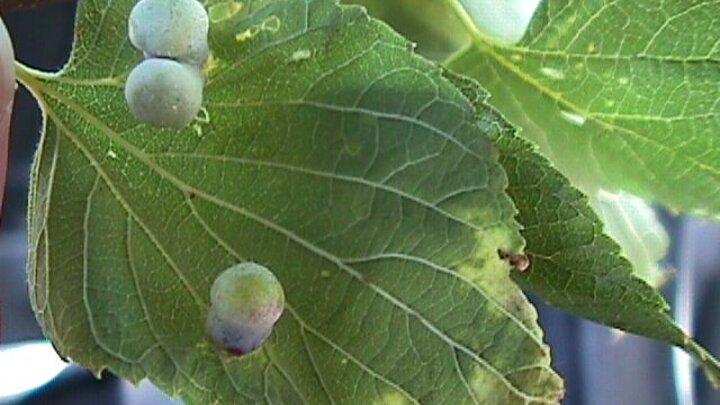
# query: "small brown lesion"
519 261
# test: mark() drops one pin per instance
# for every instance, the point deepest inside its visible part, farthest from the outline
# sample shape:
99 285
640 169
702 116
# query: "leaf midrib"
641 57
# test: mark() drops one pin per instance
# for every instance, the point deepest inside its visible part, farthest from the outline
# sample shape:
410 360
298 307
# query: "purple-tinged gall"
246 302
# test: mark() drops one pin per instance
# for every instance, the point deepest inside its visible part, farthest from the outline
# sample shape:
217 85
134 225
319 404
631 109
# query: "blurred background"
600 366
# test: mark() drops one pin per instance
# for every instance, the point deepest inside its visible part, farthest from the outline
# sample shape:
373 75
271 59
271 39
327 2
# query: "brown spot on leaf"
519 261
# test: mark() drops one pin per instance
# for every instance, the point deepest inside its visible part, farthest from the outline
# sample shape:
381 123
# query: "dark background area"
600 365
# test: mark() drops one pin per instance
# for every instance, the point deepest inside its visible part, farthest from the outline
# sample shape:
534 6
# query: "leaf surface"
327 152
575 266
430 24
619 95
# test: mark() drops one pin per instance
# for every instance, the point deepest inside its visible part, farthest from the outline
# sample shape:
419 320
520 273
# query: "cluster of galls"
166 89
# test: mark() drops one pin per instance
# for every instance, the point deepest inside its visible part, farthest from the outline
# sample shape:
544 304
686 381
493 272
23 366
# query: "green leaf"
441 26
431 24
620 95
575 266
329 153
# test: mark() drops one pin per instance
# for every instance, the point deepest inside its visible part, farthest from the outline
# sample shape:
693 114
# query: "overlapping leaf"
329 153
620 94
431 24
575 266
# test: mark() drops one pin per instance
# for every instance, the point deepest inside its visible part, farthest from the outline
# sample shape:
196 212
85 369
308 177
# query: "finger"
7 93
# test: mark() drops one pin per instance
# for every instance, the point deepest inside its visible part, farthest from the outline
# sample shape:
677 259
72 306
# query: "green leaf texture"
329 153
431 24
619 94
575 266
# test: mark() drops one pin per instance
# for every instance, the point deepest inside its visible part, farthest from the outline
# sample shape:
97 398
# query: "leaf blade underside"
575 266
357 174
